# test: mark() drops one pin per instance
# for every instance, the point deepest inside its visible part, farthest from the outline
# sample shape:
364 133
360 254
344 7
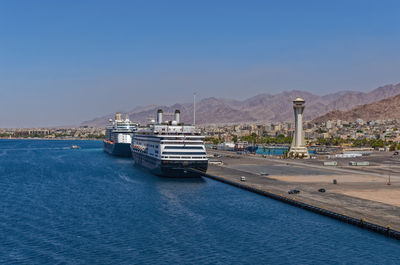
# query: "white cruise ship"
170 149
119 135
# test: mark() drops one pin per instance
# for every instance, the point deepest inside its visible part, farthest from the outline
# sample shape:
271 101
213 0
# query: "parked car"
293 191
322 190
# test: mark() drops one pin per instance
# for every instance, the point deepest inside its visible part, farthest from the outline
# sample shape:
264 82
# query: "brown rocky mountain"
388 108
262 108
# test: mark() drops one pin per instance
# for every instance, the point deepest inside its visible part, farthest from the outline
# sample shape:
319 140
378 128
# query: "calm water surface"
59 205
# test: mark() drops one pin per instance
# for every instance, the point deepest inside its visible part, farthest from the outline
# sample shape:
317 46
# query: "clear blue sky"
62 62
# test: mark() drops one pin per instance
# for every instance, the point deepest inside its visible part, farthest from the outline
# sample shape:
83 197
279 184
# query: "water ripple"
60 206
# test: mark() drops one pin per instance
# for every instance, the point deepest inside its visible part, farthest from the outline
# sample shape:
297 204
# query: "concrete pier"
280 176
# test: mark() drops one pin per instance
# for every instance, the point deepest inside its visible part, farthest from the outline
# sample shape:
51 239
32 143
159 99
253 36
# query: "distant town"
383 135
83 133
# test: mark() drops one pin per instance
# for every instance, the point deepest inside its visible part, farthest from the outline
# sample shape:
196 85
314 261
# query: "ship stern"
183 169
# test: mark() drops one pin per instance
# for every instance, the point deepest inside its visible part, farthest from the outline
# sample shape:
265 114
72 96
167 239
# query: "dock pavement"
357 194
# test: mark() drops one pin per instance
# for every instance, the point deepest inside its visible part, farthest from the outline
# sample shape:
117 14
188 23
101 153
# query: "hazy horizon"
65 62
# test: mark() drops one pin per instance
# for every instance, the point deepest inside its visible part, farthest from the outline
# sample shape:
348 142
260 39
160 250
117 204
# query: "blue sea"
65 206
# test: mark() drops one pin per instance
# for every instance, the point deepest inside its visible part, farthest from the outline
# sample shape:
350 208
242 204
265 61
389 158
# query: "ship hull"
117 149
171 168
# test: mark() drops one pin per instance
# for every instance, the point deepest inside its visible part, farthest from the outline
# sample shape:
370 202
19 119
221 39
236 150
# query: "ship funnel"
159 116
118 116
177 116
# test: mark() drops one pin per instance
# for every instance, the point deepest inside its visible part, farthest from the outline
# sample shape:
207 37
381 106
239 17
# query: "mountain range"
260 108
388 108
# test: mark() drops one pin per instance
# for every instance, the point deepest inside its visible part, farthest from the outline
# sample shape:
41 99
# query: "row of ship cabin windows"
185 157
184 153
184 147
178 147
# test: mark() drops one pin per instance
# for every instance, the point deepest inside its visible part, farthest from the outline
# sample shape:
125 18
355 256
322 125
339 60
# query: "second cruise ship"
170 149
119 136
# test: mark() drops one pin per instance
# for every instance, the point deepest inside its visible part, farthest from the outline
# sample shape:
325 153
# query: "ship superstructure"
119 135
170 149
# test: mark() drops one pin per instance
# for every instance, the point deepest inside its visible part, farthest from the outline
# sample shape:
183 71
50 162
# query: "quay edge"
386 231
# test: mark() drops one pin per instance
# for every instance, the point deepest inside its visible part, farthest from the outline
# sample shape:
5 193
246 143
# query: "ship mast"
194 109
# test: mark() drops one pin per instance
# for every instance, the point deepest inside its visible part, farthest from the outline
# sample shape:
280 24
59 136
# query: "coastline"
364 199
362 223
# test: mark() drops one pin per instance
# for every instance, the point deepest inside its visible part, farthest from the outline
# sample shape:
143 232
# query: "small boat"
75 147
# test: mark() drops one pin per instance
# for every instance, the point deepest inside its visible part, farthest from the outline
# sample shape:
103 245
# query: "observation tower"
298 148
